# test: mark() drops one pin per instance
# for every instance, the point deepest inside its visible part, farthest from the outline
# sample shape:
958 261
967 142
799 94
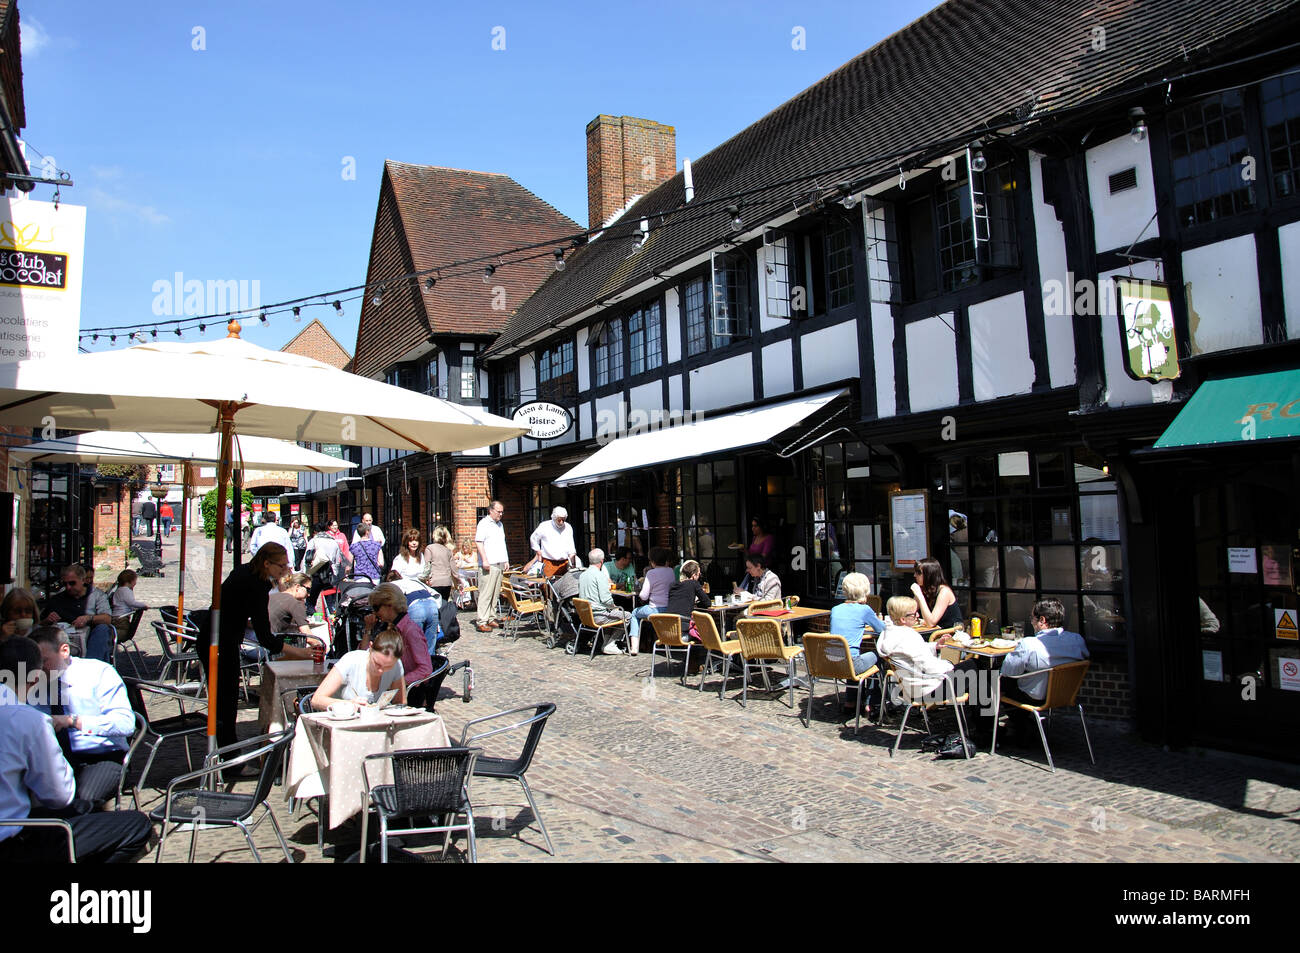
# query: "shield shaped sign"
1146 325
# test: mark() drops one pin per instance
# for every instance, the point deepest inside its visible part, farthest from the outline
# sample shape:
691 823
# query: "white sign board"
1242 559
1288 674
42 254
544 420
908 528
1211 665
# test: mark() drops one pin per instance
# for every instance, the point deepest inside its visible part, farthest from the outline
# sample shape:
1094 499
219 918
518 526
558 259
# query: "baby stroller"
352 605
425 694
560 615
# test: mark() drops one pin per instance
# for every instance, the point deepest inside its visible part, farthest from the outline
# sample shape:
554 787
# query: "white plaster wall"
1223 295
1288 237
647 396
675 393
673 321
1118 219
830 354
882 341
582 359
932 363
527 379
1000 362
778 369
583 423
1121 390
722 384
1052 268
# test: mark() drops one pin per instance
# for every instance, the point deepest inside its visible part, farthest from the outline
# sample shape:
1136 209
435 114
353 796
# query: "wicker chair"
759 605
760 641
587 622
715 647
877 605
200 806
926 702
514 768
427 782
668 636
1063 683
522 606
827 656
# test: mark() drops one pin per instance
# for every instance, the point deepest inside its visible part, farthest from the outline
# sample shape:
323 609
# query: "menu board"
909 527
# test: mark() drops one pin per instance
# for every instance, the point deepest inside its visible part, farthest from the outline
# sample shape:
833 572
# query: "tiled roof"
429 217
965 64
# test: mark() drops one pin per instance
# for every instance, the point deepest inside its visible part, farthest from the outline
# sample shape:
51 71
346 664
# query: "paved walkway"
634 771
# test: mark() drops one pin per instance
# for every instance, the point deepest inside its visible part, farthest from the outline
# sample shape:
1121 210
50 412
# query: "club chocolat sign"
544 420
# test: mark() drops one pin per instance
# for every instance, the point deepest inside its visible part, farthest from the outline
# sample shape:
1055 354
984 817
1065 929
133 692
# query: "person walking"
269 532
368 556
440 571
166 514
230 528
490 538
298 537
148 513
376 533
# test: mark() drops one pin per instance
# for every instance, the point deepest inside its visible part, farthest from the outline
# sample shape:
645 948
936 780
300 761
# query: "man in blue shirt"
1050 646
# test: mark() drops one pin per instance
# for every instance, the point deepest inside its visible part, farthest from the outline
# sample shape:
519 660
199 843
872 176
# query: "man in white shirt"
269 532
490 538
91 713
33 769
376 533
552 544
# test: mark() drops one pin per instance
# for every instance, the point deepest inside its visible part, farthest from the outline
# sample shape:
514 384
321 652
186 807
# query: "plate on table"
334 716
402 711
1003 643
961 638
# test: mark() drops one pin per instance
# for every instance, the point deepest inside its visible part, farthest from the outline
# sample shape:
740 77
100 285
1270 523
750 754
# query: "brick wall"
470 489
317 343
1106 692
625 157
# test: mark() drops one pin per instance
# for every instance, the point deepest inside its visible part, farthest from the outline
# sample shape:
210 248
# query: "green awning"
1237 410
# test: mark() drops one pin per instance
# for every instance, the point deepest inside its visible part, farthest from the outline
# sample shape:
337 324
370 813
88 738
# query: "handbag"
953 748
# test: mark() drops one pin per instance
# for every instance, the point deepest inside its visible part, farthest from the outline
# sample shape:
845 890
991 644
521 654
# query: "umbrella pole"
227 411
185 508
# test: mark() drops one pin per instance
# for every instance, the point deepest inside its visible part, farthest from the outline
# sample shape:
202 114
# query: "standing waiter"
552 544
244 597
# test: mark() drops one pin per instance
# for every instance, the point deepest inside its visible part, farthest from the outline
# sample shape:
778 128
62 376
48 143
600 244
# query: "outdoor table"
277 678
326 756
987 651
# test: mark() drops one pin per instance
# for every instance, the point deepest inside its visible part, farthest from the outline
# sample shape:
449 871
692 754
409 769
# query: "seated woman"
659 579
466 562
853 617
361 677
759 582
935 600
390 608
18 613
687 594
122 600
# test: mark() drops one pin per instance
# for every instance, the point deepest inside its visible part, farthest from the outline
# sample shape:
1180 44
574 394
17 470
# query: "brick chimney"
625 157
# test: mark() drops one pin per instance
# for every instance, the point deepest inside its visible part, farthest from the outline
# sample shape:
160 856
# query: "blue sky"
226 163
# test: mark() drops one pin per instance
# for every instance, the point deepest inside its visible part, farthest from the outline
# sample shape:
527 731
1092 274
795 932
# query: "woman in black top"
686 595
935 601
244 597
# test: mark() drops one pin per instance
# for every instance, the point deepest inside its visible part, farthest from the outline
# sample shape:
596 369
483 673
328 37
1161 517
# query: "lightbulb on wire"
378 299
559 259
977 161
297 314
488 272
734 212
1138 117
338 307
429 283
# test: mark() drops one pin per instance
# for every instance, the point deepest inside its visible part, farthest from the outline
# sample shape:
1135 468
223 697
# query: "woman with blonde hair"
853 617
440 571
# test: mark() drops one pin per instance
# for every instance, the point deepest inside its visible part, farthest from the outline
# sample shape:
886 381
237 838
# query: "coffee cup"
342 710
717 600
23 625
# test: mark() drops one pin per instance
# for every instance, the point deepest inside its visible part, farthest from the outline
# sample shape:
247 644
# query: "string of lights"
639 228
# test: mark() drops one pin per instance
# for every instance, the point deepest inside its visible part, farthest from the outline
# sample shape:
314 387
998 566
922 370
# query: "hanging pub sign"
544 420
1146 326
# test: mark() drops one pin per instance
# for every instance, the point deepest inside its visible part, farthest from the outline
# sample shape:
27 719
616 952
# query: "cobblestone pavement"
631 771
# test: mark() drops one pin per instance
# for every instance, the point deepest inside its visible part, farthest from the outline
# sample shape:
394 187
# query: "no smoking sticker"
1289 674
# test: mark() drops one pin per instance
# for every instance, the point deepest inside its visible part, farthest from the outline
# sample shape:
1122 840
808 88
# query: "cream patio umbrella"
228 385
250 453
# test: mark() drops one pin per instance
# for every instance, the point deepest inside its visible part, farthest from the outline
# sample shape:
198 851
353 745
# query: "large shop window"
625 514
557 377
1280 108
849 488
1207 142
1023 525
505 389
695 296
707 518
645 337
437 497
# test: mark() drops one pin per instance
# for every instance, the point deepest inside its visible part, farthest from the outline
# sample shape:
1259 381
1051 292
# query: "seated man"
1051 645
33 769
84 607
593 585
90 711
621 571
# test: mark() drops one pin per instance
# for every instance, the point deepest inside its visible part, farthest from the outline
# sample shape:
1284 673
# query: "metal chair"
169 635
203 806
715 647
164 729
925 702
128 638
513 768
668 636
522 606
587 621
827 657
137 739
47 822
761 641
427 782
1063 683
